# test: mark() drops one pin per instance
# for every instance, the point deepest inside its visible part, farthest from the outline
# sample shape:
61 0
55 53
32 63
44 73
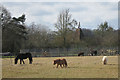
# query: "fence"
57 52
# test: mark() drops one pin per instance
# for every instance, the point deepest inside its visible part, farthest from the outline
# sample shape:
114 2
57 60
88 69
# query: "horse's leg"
57 66
20 61
92 54
23 62
61 65
30 61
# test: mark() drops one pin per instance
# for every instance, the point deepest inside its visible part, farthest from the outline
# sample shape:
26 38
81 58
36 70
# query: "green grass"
78 67
8 56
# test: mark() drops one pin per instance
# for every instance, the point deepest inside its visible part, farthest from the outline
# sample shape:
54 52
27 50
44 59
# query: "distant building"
79 32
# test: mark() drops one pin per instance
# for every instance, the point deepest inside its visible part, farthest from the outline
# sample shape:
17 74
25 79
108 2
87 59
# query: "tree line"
17 35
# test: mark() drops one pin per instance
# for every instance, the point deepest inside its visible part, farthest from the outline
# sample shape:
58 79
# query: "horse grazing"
60 62
24 56
104 60
81 54
93 52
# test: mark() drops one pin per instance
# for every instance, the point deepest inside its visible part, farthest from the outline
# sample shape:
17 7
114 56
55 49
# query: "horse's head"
16 60
54 62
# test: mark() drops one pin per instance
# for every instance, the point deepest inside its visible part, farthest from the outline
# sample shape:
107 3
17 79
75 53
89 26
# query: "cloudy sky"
90 14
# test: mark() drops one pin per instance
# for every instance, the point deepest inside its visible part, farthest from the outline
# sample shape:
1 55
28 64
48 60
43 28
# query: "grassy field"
78 67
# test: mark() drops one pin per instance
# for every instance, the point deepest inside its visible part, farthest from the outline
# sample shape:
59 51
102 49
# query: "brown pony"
60 62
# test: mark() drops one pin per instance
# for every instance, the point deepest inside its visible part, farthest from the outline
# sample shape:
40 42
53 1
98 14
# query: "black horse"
93 52
81 54
24 56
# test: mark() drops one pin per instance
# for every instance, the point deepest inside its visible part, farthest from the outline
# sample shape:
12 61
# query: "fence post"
58 52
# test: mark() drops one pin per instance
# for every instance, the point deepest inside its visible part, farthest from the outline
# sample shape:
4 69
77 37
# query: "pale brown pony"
60 62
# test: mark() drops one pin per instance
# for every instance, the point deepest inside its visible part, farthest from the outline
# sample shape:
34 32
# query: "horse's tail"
65 62
30 57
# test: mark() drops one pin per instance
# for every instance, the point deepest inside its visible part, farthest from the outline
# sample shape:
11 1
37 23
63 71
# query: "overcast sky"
90 14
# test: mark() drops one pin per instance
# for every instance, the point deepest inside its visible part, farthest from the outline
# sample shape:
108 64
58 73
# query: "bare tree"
65 24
